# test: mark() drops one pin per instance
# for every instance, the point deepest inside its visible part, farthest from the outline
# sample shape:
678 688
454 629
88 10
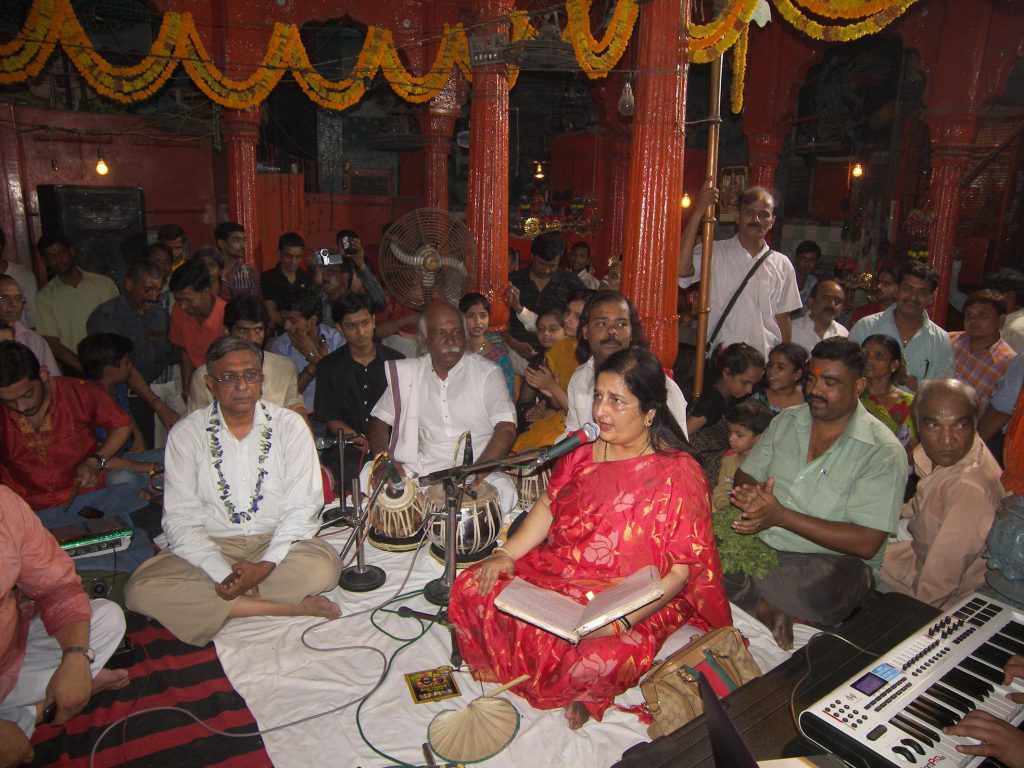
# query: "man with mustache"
609 322
927 350
819 322
938 558
823 488
760 315
432 400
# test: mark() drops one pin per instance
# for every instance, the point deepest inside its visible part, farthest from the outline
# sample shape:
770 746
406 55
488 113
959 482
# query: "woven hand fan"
478 732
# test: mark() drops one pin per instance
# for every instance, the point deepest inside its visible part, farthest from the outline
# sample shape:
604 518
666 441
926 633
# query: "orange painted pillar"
487 193
241 135
764 149
952 137
614 193
653 213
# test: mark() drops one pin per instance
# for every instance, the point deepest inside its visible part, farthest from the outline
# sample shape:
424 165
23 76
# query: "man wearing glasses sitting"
242 494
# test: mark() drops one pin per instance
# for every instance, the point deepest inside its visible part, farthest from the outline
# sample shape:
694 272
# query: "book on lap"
563 616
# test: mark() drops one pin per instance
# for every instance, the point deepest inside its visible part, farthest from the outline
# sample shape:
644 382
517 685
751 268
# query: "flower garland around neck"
217 454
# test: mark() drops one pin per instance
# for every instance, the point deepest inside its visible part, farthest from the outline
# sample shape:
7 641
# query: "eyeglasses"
440 334
234 379
16 298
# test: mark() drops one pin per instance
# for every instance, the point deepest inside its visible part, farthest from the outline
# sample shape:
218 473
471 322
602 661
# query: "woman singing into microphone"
635 497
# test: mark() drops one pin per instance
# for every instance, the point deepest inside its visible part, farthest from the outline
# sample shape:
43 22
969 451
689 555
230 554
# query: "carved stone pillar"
952 137
487 193
653 214
437 120
764 149
614 193
241 135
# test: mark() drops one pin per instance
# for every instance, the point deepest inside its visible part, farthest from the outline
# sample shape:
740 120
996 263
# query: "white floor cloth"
282 681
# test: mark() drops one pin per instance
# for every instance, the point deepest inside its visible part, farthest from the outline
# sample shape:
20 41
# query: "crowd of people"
863 459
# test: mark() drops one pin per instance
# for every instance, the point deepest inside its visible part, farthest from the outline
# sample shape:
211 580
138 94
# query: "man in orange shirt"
197 319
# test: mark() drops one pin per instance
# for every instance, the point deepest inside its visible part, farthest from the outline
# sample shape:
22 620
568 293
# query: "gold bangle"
504 551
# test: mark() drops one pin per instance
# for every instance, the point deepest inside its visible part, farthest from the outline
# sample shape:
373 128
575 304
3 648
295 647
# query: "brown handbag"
670 688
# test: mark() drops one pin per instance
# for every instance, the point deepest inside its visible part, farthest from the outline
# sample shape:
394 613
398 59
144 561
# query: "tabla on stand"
476 529
530 482
396 521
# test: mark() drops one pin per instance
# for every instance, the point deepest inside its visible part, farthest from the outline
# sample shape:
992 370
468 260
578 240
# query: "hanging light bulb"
101 166
539 173
857 171
686 200
626 101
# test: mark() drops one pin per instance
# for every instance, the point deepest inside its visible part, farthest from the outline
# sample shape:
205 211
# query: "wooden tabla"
396 522
477 526
530 483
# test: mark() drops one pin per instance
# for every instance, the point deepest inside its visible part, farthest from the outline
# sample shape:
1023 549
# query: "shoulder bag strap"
396 399
733 299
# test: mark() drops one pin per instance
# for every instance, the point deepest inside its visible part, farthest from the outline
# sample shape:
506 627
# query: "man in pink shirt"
53 646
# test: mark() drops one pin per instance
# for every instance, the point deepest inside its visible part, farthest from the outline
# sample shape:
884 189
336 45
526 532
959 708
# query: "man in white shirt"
1010 283
243 489
824 305
26 279
760 316
441 396
609 323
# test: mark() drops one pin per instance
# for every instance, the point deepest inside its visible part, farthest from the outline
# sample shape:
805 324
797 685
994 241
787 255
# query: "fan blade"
410 259
453 263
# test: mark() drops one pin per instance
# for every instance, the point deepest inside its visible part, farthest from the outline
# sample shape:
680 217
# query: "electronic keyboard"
894 711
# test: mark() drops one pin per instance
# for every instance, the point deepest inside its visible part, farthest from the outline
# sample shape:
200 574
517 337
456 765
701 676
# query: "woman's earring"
648 421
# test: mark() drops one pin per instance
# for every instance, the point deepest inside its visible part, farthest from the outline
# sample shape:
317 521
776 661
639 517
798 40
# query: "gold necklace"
642 450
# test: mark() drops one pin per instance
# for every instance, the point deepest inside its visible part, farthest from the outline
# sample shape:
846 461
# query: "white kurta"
805 335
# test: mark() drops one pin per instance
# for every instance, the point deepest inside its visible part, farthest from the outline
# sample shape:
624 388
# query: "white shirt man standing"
760 316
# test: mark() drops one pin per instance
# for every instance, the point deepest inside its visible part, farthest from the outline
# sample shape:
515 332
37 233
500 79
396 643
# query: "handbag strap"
396 399
732 301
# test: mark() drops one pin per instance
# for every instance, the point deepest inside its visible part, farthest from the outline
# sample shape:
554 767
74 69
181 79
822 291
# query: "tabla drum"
477 526
396 522
531 483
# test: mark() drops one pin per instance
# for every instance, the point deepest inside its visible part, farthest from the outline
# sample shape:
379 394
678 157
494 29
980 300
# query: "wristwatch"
101 459
85 650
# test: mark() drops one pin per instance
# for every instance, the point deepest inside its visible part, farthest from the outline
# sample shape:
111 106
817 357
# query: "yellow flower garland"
53 22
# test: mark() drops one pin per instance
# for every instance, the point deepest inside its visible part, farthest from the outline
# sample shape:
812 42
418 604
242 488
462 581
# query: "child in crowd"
543 399
784 377
738 369
746 421
105 360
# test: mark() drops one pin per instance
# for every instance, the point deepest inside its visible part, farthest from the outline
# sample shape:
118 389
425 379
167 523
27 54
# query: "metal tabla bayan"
478 524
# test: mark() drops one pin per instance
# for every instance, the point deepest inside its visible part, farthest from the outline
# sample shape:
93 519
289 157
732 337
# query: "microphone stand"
360 577
438 591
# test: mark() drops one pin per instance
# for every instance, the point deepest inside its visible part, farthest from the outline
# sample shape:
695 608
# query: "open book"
566 618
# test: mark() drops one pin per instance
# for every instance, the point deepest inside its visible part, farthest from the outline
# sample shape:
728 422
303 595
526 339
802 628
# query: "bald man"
943 528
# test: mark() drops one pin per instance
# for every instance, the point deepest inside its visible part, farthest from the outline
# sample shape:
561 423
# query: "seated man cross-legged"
243 489
822 487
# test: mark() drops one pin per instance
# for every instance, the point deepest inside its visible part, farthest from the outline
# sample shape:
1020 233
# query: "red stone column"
764 149
614 193
437 121
653 214
241 135
487 194
952 138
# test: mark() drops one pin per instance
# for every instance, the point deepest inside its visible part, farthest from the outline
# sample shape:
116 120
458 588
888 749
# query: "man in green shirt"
823 487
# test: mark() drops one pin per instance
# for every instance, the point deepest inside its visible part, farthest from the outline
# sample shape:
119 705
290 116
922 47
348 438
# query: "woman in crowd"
543 399
477 310
737 370
884 398
636 497
784 377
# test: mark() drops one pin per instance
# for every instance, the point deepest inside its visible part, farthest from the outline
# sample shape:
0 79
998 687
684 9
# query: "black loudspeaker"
105 225
106 584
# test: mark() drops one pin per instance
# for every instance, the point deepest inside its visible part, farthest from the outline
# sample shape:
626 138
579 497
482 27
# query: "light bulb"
626 102
101 166
686 200
539 173
857 171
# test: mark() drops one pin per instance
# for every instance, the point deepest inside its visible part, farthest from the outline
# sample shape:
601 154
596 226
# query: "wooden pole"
708 231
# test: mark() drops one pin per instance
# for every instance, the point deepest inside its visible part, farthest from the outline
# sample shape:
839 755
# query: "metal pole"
708 231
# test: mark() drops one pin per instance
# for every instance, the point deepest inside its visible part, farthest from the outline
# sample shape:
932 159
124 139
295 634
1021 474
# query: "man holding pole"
753 288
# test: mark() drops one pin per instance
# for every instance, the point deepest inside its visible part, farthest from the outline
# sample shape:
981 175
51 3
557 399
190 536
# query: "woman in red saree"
633 498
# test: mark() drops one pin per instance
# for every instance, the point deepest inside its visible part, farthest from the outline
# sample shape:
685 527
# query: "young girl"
785 376
543 399
477 310
883 397
739 368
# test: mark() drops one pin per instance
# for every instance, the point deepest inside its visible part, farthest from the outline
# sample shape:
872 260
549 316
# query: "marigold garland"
53 22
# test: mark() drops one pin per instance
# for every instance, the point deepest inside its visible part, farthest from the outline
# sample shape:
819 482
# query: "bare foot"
110 680
318 605
778 622
576 714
